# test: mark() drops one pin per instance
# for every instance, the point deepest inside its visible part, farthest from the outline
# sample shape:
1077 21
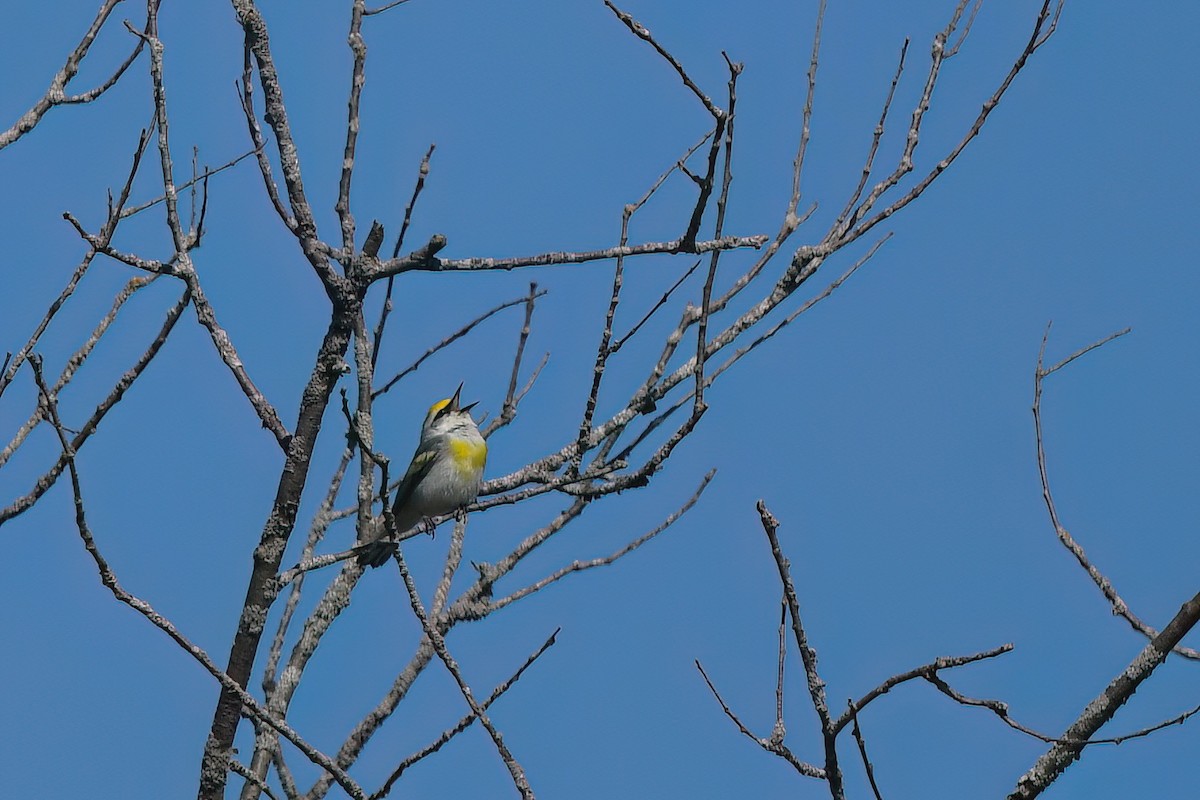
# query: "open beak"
454 399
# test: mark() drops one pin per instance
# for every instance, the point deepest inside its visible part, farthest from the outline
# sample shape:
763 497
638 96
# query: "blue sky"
889 428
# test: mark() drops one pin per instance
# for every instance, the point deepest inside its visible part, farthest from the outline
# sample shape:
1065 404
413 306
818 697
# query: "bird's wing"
417 470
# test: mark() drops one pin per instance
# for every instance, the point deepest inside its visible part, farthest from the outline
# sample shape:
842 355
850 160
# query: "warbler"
444 475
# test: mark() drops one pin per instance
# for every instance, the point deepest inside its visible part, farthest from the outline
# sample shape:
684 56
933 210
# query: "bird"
444 475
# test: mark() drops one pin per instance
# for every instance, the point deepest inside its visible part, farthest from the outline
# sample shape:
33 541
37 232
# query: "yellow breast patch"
468 455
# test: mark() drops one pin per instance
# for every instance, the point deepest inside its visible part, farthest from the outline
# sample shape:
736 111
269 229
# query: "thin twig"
358 47
372 11
246 99
771 745
923 671
239 768
207 316
460 333
580 566
639 30
1083 350
862 751
77 359
463 723
182 261
422 174
203 176
806 306
386 310
840 224
791 220
619 343
1001 710
1119 607
606 348
366 728
508 409
780 730
816 686
47 480
952 50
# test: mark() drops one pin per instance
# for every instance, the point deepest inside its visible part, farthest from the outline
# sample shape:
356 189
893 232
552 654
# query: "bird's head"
447 416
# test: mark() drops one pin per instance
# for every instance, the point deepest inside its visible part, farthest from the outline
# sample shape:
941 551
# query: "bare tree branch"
109 579
184 240
1038 37
606 349
263 587
439 646
225 349
286 779
396 266
619 343
337 596
258 42
1062 754
56 95
266 746
735 69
